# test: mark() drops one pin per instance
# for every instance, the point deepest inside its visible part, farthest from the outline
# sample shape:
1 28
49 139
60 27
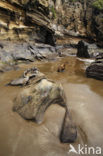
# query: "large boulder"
95 70
86 50
32 102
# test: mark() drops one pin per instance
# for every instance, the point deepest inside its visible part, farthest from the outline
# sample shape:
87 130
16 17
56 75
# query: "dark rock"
100 56
68 132
1 46
1 71
95 70
86 50
50 38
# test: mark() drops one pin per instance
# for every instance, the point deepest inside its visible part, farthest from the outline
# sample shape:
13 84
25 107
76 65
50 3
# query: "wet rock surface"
68 132
87 50
25 52
25 78
14 53
95 70
5 67
34 99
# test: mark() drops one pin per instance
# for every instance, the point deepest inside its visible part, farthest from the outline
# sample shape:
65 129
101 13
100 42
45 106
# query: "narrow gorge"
51 77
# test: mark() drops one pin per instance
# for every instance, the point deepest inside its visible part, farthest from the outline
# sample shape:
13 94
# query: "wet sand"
84 100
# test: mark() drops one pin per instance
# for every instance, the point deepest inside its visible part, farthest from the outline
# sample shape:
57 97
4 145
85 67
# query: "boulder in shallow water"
34 99
95 70
86 50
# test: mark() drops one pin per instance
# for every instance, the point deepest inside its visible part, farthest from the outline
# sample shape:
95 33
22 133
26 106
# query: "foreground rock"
34 99
95 70
87 50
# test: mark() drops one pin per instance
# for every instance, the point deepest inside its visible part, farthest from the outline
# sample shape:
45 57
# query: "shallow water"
85 103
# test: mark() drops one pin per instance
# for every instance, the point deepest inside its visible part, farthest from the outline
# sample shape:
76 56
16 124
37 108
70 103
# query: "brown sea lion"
61 68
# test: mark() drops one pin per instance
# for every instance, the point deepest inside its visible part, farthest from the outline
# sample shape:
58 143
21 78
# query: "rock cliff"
38 20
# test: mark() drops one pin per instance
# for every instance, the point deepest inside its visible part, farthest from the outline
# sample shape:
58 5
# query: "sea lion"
61 68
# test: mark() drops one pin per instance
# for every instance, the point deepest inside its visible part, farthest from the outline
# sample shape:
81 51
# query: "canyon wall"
38 20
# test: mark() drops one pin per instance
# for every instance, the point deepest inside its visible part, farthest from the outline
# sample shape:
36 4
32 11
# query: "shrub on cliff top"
98 4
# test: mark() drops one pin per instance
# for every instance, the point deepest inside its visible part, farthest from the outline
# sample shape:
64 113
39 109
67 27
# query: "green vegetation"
53 12
98 4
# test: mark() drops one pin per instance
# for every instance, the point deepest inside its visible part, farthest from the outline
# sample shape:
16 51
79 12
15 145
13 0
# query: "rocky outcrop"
95 70
34 99
25 52
94 23
81 18
87 50
25 78
72 19
38 20
21 20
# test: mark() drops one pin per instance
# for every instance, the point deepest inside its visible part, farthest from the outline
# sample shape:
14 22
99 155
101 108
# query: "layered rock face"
22 20
37 20
81 19
94 23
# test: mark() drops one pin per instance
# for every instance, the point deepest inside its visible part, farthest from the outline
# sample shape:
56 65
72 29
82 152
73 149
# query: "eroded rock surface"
87 50
25 78
25 52
34 99
95 70
38 20
68 132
